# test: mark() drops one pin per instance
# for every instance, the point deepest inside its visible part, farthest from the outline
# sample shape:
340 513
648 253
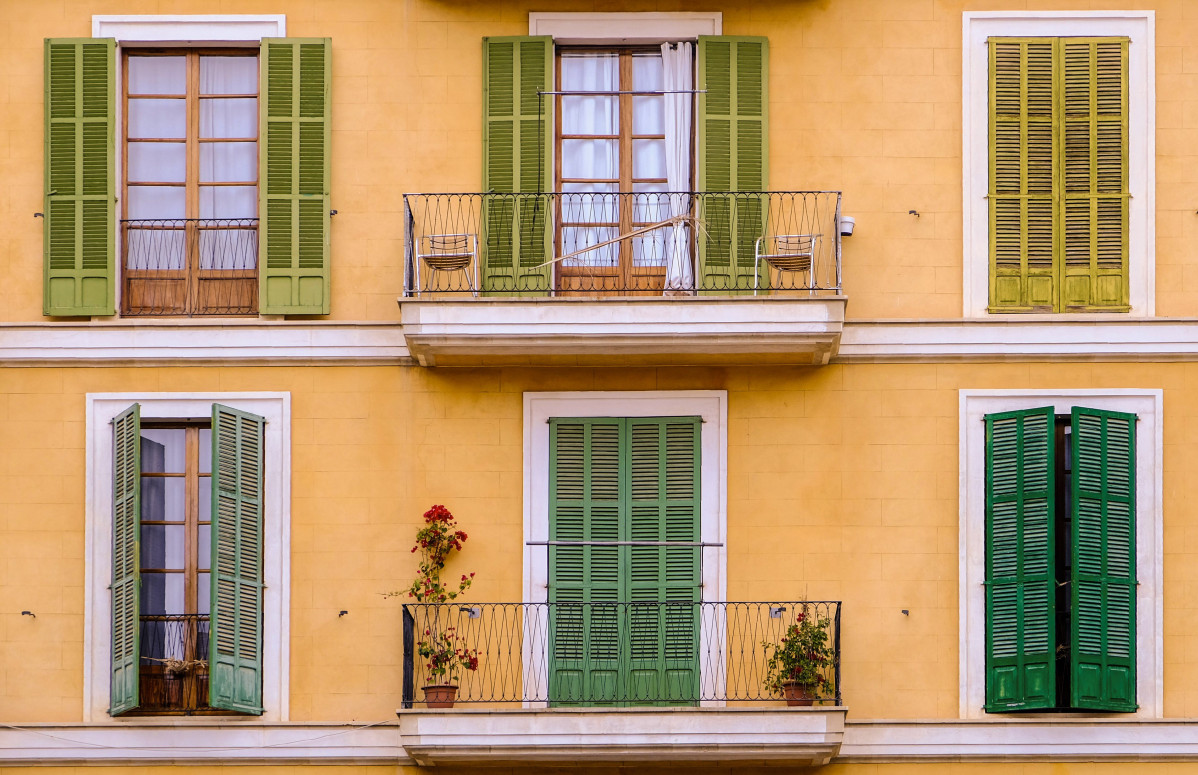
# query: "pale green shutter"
517 136
733 146
1103 594
126 557
293 271
235 640
1094 207
1020 560
585 505
80 189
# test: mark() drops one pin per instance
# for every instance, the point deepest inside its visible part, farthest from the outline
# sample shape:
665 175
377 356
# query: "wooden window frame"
183 287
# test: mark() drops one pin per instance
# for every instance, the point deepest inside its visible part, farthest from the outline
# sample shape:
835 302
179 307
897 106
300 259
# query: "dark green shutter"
1103 594
235 642
126 557
733 148
1058 174
517 135
1020 561
80 189
293 272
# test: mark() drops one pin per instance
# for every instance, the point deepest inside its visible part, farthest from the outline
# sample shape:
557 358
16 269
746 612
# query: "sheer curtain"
590 159
679 64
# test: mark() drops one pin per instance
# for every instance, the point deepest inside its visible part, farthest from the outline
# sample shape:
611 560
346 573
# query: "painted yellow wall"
865 98
842 484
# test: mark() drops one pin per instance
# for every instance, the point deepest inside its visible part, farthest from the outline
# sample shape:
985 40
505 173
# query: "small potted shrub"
797 667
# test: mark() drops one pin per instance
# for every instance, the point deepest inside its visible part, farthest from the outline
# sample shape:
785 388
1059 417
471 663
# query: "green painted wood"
1020 561
517 135
732 138
1103 561
235 642
79 267
294 176
126 560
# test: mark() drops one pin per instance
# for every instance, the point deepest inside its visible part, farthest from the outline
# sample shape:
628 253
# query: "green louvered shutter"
1020 560
1023 241
1103 594
733 145
585 505
517 135
235 642
293 272
663 505
80 188
1094 209
126 556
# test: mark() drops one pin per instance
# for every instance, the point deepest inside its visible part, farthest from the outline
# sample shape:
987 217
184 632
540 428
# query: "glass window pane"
590 115
204 599
650 207
228 162
648 158
161 594
590 159
229 118
163 450
205 451
162 547
647 72
598 71
157 75
158 119
158 162
228 201
228 75
146 202
228 249
162 498
576 238
205 553
590 208
650 249
648 115
155 250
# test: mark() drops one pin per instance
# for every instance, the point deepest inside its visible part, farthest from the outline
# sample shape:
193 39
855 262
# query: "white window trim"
191 30
1147 404
634 28
711 406
1140 27
97 632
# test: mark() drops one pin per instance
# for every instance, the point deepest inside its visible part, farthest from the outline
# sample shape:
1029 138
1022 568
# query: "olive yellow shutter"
293 272
79 271
126 558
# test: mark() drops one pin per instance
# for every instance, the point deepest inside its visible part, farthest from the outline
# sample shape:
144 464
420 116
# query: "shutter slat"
126 559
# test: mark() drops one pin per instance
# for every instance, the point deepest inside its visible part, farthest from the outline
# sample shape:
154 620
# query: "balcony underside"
634 331
758 735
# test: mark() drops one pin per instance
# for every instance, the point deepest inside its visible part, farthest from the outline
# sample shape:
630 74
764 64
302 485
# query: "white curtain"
589 159
679 64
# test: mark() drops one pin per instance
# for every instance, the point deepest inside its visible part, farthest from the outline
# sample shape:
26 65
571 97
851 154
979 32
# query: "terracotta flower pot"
443 695
797 694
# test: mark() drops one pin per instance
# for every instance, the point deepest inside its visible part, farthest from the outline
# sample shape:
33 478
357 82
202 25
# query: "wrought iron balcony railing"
623 243
174 663
610 653
190 266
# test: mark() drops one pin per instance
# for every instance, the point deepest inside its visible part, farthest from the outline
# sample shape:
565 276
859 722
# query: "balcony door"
624 561
610 171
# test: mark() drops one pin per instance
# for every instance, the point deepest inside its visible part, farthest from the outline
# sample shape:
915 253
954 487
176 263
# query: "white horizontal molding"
655 27
168 343
1075 338
190 28
1088 739
622 332
795 736
199 741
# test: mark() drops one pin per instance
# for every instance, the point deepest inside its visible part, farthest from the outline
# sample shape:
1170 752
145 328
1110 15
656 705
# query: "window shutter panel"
517 134
1103 594
235 643
293 181
585 505
1095 199
663 506
733 145
1023 237
126 557
1020 561
80 187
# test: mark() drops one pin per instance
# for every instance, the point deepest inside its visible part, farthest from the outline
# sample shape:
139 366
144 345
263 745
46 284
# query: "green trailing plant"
802 656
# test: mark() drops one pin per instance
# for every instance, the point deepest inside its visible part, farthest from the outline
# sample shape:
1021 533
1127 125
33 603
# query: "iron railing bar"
613 93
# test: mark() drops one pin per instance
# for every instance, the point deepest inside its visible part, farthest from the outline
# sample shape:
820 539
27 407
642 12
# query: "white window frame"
1140 27
593 28
1147 405
712 407
276 548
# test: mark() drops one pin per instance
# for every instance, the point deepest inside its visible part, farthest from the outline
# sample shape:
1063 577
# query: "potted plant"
797 667
441 648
